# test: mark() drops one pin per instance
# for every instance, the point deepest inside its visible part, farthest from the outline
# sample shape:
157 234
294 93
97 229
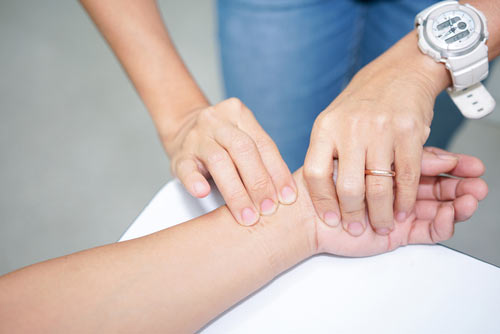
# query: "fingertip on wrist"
200 189
401 216
355 228
268 207
331 219
249 217
287 195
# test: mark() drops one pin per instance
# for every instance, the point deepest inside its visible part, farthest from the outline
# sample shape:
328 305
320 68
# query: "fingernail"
401 216
383 231
249 217
267 207
447 157
331 218
199 188
355 229
288 195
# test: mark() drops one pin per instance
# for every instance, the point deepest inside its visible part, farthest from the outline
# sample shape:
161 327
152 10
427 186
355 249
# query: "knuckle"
236 195
377 190
206 115
350 190
217 157
406 125
234 103
321 200
260 184
382 223
407 177
182 165
242 144
382 121
314 172
323 122
352 214
264 143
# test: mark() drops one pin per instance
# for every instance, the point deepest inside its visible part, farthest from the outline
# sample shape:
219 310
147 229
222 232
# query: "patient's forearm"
178 279
173 281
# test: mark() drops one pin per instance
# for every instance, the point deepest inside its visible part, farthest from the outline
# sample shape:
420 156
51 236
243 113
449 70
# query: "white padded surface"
415 289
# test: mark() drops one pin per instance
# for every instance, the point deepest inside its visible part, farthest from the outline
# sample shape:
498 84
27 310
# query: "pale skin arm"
382 117
223 141
178 279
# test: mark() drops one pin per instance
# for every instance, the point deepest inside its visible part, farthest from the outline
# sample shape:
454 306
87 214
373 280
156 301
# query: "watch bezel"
446 50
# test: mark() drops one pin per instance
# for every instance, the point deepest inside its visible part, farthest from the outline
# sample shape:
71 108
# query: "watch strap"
468 70
473 102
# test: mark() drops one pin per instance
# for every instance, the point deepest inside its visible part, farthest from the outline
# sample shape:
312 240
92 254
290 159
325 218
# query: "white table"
415 289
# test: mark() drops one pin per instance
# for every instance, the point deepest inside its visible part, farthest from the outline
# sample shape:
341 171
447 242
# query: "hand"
381 119
225 142
441 201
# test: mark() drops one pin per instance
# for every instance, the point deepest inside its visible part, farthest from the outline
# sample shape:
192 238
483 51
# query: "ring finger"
379 191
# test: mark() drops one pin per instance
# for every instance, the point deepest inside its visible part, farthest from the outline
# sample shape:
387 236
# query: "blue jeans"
288 59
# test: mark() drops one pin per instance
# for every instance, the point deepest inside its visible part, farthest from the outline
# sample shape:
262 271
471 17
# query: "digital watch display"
456 35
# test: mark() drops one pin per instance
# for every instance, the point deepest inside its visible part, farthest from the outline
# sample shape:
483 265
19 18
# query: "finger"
379 191
225 175
444 188
408 158
250 166
351 189
464 207
318 174
478 188
186 169
434 164
467 166
437 229
271 157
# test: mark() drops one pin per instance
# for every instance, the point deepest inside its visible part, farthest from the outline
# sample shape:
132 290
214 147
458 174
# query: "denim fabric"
288 59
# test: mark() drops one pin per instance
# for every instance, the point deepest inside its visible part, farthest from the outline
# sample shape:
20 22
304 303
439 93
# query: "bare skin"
178 279
381 119
223 141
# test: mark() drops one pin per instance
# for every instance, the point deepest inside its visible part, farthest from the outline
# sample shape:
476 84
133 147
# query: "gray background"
79 155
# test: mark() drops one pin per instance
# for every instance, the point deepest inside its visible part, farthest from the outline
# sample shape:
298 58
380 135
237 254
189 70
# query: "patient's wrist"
289 235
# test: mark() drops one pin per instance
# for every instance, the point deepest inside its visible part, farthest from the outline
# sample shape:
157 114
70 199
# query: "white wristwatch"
456 35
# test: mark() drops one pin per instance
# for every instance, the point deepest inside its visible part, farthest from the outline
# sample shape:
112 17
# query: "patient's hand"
441 202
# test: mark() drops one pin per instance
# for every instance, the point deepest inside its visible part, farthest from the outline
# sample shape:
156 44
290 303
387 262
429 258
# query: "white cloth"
415 289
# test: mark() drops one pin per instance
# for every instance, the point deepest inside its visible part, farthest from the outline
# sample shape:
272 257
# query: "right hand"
225 142
441 202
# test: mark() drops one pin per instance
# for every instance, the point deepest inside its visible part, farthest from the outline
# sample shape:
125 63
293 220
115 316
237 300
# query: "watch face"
453 30
453 27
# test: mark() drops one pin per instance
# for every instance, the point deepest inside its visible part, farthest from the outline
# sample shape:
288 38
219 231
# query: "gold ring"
378 172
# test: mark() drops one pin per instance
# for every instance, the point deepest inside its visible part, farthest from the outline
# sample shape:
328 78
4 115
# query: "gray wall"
79 154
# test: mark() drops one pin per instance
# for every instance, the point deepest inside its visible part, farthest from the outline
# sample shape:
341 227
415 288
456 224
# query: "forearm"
172 281
135 31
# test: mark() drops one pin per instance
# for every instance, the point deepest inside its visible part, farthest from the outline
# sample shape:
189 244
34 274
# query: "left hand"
381 119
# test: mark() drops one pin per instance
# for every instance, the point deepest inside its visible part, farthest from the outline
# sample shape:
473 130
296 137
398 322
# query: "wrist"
428 75
171 128
289 235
